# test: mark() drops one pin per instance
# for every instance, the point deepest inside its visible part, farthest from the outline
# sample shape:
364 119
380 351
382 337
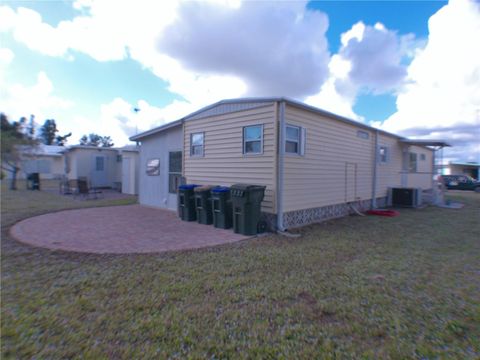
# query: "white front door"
99 171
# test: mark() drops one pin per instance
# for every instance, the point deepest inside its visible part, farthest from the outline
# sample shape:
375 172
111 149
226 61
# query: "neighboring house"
44 159
104 167
471 169
98 164
325 163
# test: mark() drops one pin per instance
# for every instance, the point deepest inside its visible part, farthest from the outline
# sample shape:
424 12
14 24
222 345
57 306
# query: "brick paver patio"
119 230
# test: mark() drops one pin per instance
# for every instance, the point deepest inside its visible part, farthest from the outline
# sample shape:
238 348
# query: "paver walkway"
119 230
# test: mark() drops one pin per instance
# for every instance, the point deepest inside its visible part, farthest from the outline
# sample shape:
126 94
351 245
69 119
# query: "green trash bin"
221 207
33 181
246 202
186 202
203 204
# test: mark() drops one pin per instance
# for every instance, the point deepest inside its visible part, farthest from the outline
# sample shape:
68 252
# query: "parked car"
460 182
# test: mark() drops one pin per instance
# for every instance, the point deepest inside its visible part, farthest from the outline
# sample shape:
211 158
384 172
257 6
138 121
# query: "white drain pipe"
281 157
374 176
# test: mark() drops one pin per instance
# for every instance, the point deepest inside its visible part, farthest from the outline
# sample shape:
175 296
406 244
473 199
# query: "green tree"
48 132
62 140
84 140
96 140
106 141
14 135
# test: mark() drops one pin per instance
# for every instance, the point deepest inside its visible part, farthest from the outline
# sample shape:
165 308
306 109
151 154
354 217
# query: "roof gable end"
228 106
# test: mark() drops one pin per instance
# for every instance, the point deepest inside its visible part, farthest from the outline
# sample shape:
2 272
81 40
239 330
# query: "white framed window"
383 154
363 134
412 162
197 141
423 157
99 163
295 139
253 139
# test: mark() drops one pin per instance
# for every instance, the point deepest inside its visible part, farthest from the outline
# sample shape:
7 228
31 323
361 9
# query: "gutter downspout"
405 169
374 177
281 156
435 195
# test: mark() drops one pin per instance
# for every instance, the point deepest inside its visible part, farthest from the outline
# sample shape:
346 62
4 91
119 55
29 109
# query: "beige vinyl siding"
319 178
389 174
423 177
223 162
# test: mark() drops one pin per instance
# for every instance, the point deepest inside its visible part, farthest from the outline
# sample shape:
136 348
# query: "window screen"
383 154
197 144
292 139
412 164
99 163
253 139
174 170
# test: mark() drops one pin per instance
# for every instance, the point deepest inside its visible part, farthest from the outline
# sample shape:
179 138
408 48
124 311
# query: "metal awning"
421 142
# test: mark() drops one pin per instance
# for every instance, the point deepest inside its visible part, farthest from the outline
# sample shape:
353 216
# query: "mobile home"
315 165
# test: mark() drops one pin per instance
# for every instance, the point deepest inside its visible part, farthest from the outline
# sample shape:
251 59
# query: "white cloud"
329 98
369 60
226 49
6 56
281 48
277 49
19 100
375 55
118 119
442 97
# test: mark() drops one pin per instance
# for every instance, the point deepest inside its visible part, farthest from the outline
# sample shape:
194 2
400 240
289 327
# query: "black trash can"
33 181
221 207
246 202
186 202
203 204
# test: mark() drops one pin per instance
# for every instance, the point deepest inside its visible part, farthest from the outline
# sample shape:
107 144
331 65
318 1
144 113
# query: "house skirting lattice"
303 217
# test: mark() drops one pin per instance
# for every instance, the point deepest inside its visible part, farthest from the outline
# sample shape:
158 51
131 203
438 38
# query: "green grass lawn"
371 287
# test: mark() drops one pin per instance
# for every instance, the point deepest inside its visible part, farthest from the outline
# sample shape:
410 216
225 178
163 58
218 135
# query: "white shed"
130 169
160 167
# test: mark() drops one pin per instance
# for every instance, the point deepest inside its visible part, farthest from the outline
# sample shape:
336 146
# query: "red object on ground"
385 212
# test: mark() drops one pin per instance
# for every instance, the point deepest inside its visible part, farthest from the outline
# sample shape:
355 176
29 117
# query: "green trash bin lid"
247 187
243 187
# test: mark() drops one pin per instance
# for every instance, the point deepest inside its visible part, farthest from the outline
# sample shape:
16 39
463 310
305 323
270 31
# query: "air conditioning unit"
405 197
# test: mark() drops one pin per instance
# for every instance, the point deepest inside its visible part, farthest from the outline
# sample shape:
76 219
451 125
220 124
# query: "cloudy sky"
410 67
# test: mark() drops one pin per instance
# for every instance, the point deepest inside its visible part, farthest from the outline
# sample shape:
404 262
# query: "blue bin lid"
188 187
221 189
